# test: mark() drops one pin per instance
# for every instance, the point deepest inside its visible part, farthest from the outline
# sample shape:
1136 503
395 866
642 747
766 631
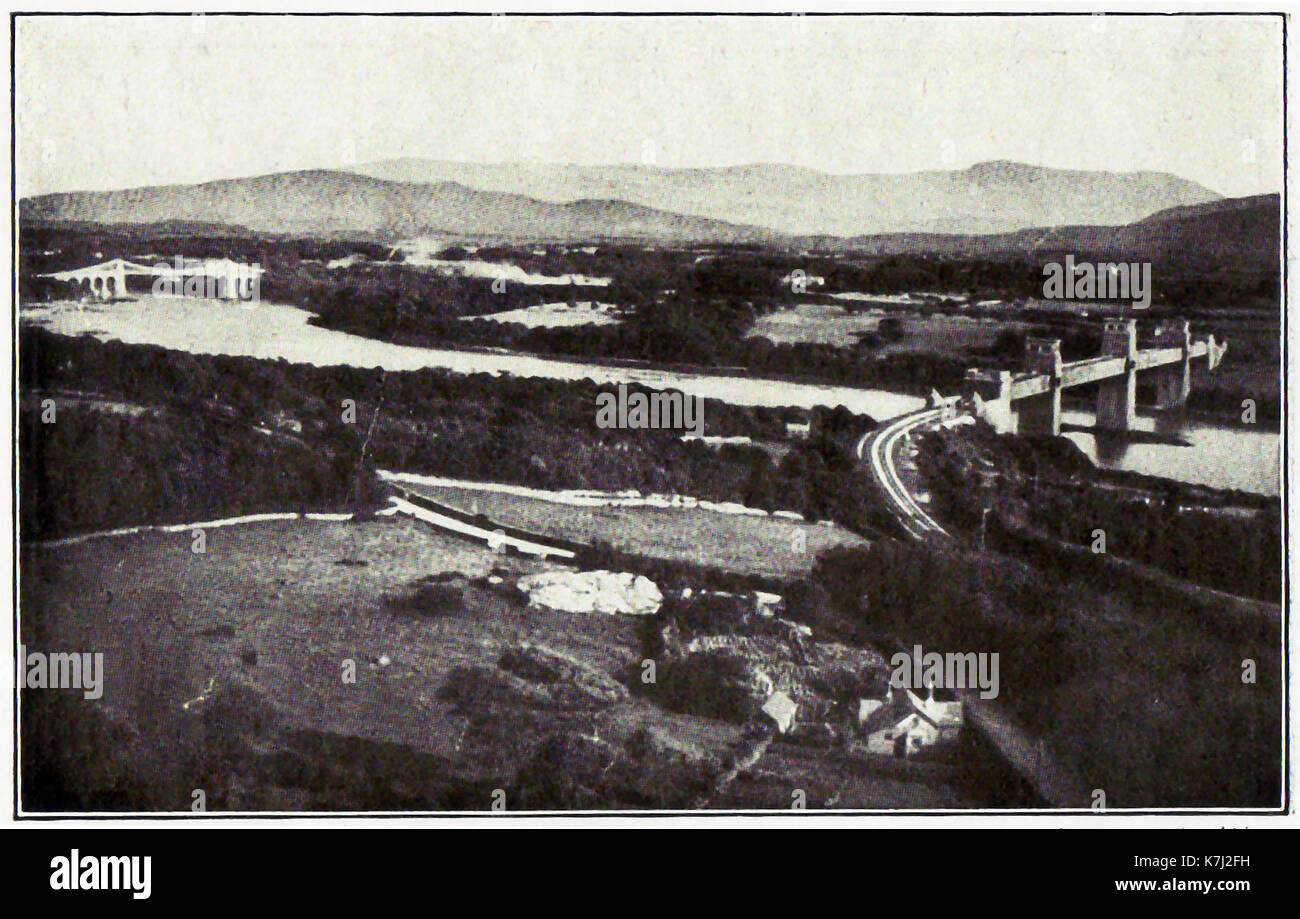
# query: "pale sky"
118 102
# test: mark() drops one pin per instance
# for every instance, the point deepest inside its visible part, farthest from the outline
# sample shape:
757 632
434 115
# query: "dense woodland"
91 469
195 449
1049 483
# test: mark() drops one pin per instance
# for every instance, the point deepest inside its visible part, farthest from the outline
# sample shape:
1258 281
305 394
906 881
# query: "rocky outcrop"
532 675
565 677
781 710
605 592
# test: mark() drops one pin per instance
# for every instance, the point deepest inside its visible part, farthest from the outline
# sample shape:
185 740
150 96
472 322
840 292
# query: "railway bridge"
1029 401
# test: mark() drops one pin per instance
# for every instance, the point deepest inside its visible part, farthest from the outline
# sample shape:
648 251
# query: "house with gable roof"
902 723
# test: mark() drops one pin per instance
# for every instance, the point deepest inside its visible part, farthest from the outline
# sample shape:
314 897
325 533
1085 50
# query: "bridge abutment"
989 391
1117 395
1041 414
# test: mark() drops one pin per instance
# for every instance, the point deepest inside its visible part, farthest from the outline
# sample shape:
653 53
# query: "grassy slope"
762 545
268 615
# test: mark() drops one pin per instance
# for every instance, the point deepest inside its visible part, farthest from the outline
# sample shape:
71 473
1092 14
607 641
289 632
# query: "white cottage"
903 723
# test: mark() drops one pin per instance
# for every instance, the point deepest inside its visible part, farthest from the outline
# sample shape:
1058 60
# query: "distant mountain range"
1237 233
992 197
329 201
989 210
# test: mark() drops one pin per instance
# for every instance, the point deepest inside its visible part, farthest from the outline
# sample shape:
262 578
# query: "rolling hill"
1239 233
326 201
990 197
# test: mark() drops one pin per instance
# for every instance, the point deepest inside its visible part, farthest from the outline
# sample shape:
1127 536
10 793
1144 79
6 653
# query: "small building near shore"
903 724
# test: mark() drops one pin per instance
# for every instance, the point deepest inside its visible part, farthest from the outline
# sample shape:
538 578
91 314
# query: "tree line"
210 435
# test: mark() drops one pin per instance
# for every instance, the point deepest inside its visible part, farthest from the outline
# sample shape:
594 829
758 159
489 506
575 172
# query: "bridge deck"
120 266
1077 373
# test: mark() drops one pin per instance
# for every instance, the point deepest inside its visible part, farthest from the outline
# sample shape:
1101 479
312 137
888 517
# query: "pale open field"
820 323
816 323
758 545
554 315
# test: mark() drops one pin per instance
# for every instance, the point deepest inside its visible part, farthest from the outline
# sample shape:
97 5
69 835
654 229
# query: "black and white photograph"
774 414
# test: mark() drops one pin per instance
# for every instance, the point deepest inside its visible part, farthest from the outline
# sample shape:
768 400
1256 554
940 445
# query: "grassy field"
297 599
761 545
553 315
818 323
224 674
827 324
949 334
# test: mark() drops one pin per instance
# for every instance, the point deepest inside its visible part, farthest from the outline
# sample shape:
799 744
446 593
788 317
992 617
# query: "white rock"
781 709
604 592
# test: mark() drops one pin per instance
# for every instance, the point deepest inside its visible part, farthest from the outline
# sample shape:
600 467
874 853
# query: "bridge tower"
1174 381
1117 395
1040 414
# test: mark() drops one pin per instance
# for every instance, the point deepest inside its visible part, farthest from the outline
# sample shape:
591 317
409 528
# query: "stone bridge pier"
1117 395
1040 414
1174 381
